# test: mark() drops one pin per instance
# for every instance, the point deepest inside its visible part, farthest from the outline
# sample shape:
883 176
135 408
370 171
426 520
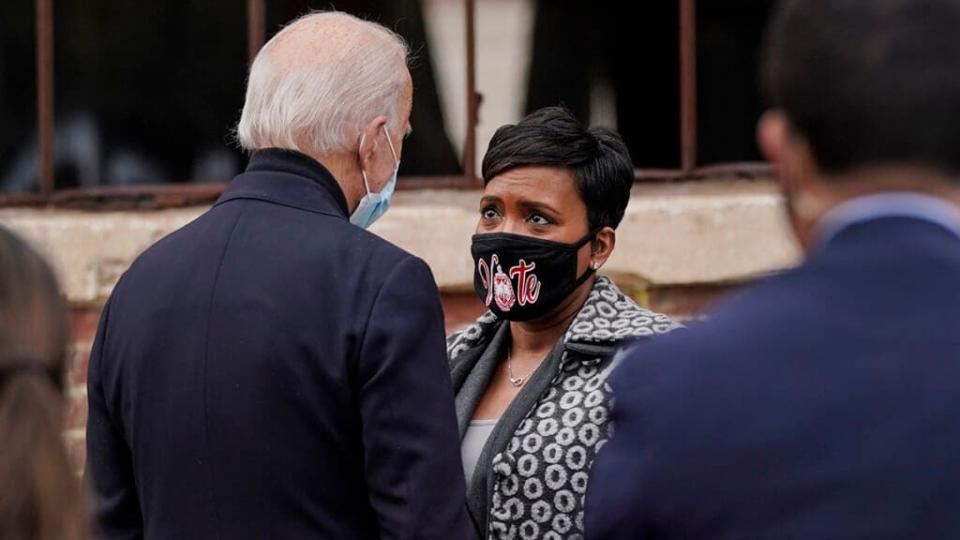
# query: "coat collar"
607 320
291 179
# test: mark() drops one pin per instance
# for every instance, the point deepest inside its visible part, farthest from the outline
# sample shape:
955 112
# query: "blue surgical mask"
374 205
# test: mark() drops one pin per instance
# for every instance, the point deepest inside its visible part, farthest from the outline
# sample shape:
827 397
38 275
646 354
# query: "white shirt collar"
893 204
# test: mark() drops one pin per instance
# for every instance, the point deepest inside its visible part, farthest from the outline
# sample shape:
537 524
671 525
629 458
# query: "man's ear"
369 141
791 155
805 195
773 133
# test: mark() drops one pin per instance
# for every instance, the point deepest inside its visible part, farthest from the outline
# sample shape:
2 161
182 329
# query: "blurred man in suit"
823 402
273 370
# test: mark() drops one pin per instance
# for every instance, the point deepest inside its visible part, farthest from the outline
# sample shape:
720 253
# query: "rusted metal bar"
414 183
657 175
45 111
722 171
473 97
21 199
256 26
138 197
176 195
688 84
741 170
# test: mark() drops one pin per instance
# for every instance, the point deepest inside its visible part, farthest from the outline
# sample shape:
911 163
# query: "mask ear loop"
386 133
590 236
594 266
586 275
363 173
396 160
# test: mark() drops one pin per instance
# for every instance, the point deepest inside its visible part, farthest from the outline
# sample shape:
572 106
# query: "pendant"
517 381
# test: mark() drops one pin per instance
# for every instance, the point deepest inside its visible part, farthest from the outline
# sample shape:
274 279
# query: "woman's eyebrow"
491 199
537 205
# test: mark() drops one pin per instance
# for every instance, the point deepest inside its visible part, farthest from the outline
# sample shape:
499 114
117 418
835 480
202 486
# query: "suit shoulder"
748 324
379 248
167 247
388 251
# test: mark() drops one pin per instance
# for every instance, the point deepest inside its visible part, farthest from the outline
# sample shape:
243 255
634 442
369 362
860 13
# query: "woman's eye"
538 219
489 213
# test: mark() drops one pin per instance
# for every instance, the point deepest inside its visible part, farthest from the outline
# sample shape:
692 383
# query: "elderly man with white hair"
273 370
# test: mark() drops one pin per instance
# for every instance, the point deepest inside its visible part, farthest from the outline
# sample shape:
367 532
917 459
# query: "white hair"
316 101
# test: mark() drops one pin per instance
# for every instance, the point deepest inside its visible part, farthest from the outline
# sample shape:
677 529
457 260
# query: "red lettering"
486 276
527 283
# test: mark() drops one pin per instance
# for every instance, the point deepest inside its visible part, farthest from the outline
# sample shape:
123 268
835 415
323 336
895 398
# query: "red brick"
79 360
83 323
76 451
687 302
460 309
76 409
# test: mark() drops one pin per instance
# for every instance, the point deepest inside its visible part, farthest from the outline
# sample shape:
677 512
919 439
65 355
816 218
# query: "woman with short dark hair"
39 492
531 374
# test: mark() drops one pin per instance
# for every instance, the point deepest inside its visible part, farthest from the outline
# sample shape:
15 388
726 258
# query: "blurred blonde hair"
40 495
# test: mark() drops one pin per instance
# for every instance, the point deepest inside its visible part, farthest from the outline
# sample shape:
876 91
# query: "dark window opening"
729 39
18 92
578 44
428 151
149 93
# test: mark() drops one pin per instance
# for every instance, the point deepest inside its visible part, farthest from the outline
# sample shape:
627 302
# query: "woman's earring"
595 265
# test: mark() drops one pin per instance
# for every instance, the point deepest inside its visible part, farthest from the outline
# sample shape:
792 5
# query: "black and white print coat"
532 475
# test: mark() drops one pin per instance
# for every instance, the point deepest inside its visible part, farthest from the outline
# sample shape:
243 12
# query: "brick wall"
678 248
460 309
83 329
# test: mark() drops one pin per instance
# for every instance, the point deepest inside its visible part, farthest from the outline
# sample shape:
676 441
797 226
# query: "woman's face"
537 201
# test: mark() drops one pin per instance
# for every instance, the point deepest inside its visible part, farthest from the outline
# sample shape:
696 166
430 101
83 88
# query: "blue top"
892 204
272 371
820 403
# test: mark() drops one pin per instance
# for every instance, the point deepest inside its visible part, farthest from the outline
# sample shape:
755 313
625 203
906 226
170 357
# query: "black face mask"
520 278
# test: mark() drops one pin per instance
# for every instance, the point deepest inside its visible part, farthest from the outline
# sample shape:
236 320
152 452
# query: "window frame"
180 195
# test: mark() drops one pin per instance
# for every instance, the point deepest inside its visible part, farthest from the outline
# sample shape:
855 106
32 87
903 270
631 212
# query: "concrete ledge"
673 235
708 233
91 250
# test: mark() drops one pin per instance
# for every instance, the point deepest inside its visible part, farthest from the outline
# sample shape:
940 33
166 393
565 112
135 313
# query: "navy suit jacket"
822 403
272 371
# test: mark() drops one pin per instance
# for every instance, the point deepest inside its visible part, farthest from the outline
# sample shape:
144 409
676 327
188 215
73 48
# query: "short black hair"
597 157
869 82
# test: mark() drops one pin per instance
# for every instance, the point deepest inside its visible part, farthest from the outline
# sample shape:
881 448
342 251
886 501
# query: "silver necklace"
515 381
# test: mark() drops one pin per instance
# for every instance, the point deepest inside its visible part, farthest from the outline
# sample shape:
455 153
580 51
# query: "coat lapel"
481 485
608 321
482 363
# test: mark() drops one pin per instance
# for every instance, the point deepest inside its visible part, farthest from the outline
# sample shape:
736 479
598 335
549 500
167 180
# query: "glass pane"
18 117
148 92
729 38
612 64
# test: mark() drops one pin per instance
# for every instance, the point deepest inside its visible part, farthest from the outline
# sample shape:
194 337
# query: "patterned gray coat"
532 475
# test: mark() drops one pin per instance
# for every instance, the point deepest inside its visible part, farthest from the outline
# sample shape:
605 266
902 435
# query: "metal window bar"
45 113
473 98
256 27
688 85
